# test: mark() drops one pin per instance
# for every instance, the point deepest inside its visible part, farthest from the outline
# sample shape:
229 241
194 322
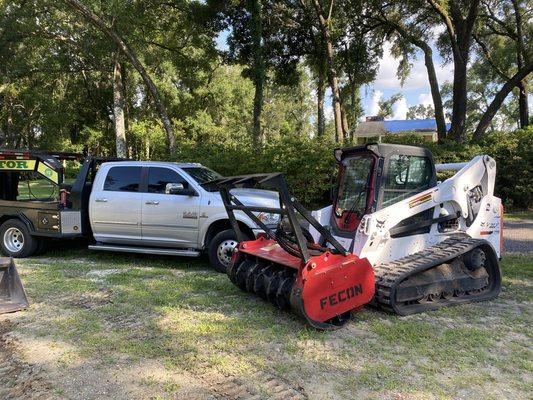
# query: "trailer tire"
220 248
15 239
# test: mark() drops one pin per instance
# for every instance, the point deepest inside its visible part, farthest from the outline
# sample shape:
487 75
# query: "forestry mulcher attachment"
394 237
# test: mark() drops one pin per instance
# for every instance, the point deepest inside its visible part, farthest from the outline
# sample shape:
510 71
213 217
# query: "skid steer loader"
393 237
12 295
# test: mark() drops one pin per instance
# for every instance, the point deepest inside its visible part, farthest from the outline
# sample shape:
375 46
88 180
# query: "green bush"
309 165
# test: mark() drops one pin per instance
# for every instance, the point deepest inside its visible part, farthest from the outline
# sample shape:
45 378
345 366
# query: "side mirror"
174 188
179 189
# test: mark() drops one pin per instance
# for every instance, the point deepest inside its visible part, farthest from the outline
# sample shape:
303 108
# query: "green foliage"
420 111
513 152
385 105
306 162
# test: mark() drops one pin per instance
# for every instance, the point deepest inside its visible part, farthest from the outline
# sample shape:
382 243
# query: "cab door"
169 220
115 205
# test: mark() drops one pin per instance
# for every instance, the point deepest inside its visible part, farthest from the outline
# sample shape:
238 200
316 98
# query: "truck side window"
123 179
159 177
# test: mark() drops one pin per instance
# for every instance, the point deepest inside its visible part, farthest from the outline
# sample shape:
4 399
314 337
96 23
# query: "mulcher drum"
325 290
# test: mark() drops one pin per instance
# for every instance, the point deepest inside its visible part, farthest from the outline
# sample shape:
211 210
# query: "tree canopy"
143 79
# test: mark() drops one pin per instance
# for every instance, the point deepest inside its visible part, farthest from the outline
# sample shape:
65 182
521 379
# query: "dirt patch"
259 385
91 301
18 379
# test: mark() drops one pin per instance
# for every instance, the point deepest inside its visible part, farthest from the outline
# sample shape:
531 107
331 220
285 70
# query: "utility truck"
149 207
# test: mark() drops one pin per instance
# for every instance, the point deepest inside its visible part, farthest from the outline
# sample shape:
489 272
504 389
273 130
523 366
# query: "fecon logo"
11 164
341 296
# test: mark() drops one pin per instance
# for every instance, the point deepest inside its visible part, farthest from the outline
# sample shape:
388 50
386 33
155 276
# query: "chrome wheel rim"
13 240
224 251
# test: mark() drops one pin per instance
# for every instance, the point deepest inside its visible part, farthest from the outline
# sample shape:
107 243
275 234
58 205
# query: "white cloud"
425 99
417 79
374 106
400 109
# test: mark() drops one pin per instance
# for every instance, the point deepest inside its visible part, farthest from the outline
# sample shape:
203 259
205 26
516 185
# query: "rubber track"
390 275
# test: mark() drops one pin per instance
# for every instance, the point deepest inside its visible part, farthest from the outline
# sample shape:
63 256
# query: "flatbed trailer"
24 224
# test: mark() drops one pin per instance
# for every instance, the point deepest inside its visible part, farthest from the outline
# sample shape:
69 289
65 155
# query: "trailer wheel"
220 249
16 240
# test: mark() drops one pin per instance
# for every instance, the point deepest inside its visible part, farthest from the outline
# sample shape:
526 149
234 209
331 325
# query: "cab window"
406 176
33 186
123 179
159 177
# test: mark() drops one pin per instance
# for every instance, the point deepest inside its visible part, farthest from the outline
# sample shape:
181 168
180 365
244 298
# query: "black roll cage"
289 206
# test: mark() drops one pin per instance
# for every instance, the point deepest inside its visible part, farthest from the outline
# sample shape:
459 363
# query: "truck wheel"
221 247
16 240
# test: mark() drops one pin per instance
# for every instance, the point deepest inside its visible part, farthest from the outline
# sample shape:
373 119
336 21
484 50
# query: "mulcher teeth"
271 282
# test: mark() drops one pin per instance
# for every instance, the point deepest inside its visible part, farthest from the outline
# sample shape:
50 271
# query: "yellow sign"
17 165
48 172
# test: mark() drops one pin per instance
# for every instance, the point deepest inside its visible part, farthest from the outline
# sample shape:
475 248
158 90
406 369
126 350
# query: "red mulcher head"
324 285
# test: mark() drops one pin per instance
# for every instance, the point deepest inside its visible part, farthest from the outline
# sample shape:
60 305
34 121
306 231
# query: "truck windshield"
355 178
203 176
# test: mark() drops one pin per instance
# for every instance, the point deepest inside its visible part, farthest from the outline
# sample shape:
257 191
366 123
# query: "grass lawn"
518 215
169 328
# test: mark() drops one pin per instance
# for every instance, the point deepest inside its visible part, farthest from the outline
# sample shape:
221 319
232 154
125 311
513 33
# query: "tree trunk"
432 75
496 103
128 52
340 120
321 95
459 99
258 67
523 105
521 57
459 29
435 93
118 109
9 139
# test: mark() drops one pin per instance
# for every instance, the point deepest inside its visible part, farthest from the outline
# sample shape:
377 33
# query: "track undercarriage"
457 270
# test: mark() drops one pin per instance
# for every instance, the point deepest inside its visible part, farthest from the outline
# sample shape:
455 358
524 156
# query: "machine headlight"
268 218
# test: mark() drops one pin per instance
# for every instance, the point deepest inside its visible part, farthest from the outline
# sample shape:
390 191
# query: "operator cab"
375 176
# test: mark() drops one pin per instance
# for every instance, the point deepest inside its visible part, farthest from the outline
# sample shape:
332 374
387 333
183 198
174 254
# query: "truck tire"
15 239
220 249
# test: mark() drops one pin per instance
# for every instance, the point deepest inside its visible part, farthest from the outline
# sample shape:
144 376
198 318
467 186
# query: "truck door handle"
152 203
101 200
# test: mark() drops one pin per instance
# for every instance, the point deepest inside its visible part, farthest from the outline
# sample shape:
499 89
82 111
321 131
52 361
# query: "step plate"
146 250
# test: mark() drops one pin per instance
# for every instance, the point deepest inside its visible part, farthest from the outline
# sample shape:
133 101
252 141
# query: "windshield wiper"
355 204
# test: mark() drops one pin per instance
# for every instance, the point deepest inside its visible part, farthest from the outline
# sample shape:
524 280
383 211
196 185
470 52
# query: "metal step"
145 250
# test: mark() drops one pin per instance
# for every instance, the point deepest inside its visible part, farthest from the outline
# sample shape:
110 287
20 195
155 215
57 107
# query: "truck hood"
254 197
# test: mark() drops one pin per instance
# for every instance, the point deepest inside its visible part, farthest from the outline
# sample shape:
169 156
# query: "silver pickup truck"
168 208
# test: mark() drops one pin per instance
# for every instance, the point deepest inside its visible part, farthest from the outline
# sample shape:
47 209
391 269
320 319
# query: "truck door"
115 206
169 219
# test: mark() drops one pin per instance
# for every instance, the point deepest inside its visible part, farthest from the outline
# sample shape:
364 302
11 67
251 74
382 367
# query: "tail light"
501 229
